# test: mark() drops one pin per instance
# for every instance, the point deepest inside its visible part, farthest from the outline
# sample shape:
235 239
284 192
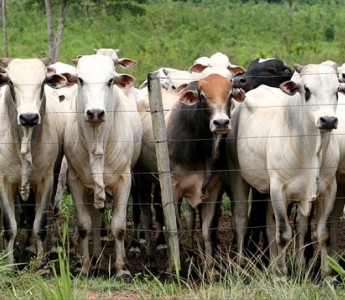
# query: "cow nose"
95 115
28 119
329 123
239 82
221 123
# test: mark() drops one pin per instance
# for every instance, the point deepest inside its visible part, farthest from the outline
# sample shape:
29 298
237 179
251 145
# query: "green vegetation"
235 283
175 33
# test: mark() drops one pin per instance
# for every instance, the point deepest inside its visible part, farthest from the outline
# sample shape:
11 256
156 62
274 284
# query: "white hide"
107 147
30 156
281 150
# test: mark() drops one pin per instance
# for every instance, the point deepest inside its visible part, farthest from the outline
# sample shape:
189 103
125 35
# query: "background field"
174 33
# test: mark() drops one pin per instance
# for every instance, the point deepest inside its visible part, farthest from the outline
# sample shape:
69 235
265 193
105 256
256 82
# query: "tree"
4 27
55 38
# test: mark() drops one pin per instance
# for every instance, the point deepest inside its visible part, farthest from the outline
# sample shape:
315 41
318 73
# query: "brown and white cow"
284 146
106 133
32 129
197 121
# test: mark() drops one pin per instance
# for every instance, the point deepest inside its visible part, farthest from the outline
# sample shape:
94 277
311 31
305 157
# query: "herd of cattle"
268 136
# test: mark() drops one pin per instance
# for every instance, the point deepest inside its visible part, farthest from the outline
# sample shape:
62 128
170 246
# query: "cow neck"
216 156
26 137
309 142
190 139
95 137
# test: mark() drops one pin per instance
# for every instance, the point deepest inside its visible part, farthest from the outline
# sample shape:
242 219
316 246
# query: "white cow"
31 130
113 54
129 89
285 147
106 134
218 63
67 97
340 198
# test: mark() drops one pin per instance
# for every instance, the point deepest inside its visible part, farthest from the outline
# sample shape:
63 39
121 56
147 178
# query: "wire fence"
51 218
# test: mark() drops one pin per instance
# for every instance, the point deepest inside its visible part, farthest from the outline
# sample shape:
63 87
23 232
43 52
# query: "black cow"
269 71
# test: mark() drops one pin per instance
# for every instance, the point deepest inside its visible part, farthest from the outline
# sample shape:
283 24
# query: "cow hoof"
161 250
99 273
134 253
125 277
28 255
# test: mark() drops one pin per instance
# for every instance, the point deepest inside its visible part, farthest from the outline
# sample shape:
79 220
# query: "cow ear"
50 71
124 80
71 79
290 87
298 68
126 62
143 85
4 61
46 61
95 50
237 70
3 76
198 68
341 88
56 81
189 97
239 95
181 87
75 61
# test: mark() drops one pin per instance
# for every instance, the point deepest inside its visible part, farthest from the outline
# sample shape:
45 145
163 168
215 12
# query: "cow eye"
81 81
202 97
307 93
110 82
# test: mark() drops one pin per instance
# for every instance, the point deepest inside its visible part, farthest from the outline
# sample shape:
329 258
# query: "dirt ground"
139 265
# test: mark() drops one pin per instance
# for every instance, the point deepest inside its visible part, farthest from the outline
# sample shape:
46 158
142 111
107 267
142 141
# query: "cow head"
214 96
26 79
271 72
96 80
318 104
113 54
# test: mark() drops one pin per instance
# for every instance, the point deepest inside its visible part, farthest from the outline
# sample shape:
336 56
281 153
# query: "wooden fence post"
163 165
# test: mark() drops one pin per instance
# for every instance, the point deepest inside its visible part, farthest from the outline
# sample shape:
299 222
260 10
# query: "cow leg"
283 228
190 217
208 221
96 218
9 223
134 249
43 197
335 216
302 231
324 206
240 194
160 240
84 221
271 232
257 225
118 223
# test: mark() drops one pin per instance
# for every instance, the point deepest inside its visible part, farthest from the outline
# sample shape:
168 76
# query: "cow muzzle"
29 119
95 115
221 125
327 123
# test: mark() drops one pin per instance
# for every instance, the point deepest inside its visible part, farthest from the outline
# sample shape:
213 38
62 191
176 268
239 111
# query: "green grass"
250 282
